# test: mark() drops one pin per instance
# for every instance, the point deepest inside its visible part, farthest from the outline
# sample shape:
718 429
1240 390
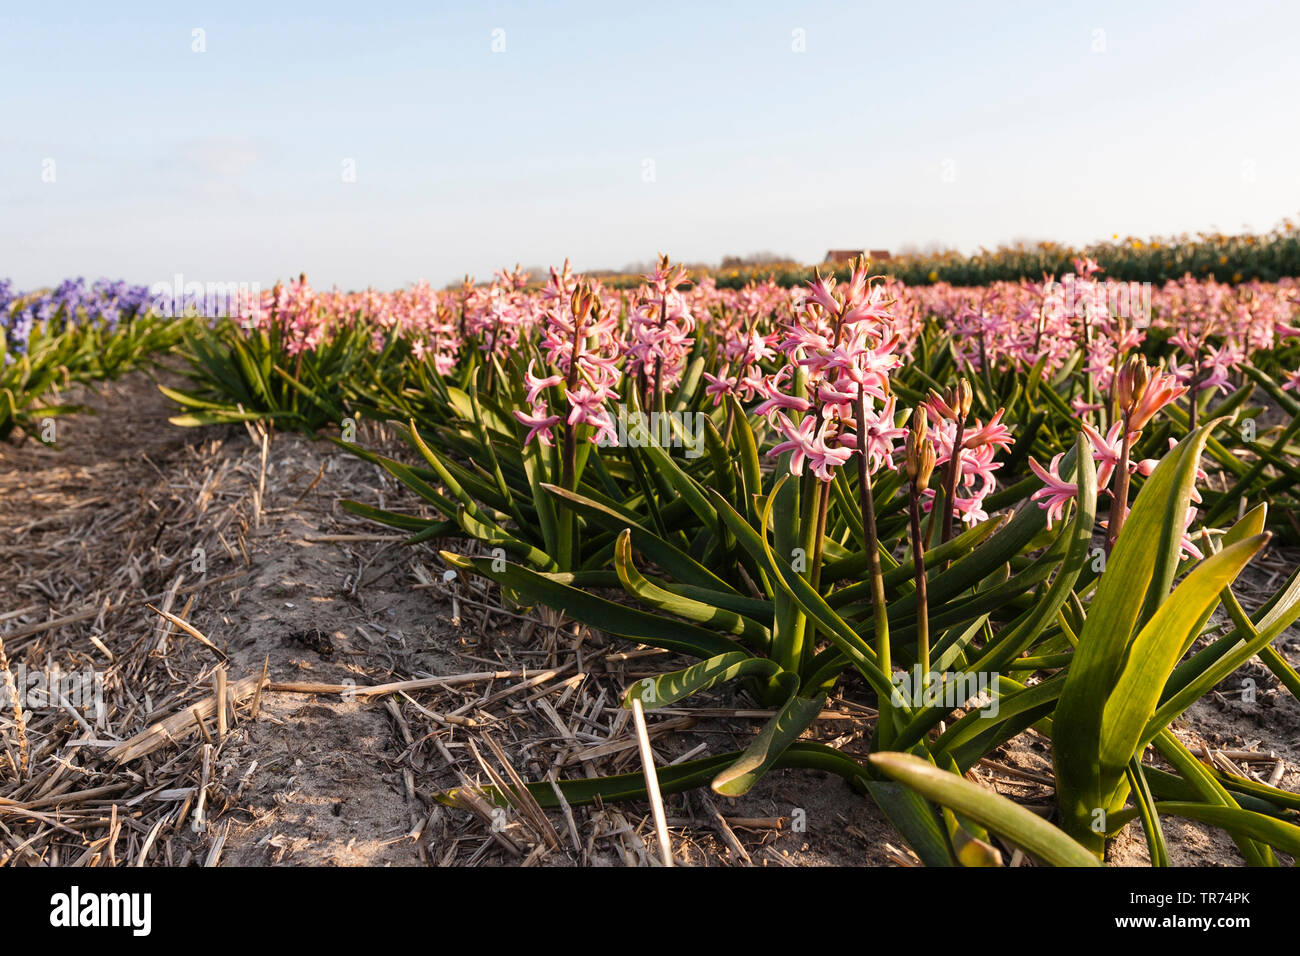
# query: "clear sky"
481 134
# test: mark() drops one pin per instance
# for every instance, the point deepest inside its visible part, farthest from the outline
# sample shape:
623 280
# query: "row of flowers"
871 460
936 457
823 351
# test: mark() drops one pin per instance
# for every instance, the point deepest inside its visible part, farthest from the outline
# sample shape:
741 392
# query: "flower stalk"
884 729
959 401
1130 388
919 464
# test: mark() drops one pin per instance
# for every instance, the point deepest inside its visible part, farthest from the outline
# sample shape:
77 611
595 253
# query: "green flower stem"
884 722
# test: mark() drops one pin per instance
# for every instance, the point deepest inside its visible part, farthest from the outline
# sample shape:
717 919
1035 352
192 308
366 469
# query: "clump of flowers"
500 314
580 344
1139 394
105 302
660 327
1207 366
965 453
297 311
745 346
839 353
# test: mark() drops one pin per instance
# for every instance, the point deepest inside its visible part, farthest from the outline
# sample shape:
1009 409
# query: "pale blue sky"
228 164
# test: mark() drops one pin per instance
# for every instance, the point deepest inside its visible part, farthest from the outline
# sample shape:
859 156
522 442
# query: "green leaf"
743 435
1240 823
673 778
718 618
667 689
1210 790
1184 688
791 720
1156 650
1149 537
601 614
668 556
1146 806
1009 820
914 817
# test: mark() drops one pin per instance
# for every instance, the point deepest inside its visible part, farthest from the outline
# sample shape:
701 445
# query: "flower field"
962 517
73 333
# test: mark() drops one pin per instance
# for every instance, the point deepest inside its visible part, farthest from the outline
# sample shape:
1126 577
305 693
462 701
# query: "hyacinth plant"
30 376
286 358
71 333
766 556
895 495
818 589
533 448
896 491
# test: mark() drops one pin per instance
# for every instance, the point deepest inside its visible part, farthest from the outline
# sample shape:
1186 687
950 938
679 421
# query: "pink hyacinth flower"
539 423
1056 491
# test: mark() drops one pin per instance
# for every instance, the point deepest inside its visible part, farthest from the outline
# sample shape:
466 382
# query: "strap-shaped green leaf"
914 817
717 618
742 433
1245 642
390 518
494 536
1146 807
667 689
1009 820
1240 823
1210 791
663 553
794 717
1148 538
673 778
1156 649
597 612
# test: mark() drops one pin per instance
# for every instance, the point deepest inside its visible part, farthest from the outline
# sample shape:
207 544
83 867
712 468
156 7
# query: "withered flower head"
1131 382
920 455
964 396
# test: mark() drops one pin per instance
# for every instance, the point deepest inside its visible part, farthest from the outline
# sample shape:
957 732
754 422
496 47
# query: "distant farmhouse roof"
844 255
